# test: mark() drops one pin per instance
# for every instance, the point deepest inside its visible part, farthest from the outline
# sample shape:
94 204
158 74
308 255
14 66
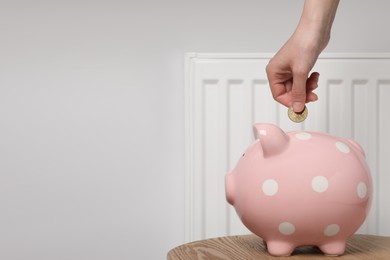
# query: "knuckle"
301 72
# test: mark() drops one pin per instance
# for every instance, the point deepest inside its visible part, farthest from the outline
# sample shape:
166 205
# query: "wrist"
315 35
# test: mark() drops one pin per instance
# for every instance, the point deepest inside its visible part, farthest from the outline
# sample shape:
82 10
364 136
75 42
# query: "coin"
297 117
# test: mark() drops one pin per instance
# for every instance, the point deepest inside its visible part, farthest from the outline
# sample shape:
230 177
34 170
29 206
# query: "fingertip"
312 81
311 97
298 107
315 74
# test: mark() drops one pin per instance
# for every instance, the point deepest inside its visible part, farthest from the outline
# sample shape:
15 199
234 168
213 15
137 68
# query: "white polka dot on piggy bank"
301 188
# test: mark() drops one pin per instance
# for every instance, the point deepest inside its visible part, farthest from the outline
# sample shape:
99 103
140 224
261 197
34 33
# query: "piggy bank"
300 189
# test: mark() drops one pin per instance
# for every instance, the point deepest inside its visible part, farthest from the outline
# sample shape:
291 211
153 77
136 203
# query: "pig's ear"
272 139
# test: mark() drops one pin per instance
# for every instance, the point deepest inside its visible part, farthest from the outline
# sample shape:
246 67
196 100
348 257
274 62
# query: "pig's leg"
280 248
333 248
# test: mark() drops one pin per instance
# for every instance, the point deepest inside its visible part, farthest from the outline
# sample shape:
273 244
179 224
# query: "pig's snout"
230 188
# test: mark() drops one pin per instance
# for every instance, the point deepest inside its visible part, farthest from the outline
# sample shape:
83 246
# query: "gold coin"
297 117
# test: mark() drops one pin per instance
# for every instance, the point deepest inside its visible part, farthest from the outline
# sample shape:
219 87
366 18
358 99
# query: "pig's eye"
243 154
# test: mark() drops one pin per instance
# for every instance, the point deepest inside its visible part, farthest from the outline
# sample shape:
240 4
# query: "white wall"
91 113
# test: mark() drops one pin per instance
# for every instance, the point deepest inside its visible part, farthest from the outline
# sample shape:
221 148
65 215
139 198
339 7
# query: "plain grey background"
92 120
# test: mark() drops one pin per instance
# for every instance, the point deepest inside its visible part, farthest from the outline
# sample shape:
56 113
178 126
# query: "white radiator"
227 93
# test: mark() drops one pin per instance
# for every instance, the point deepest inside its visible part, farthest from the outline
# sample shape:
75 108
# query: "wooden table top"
364 247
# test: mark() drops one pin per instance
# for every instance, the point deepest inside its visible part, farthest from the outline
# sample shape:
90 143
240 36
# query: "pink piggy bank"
301 189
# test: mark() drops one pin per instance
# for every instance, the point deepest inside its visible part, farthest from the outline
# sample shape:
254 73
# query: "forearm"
317 19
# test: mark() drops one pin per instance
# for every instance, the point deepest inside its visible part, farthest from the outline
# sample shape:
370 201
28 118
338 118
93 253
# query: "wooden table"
364 247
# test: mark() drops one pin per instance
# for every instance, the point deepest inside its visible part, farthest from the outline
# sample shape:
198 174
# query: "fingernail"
298 107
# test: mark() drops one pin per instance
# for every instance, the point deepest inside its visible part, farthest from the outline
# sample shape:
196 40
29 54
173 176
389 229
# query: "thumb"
298 92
